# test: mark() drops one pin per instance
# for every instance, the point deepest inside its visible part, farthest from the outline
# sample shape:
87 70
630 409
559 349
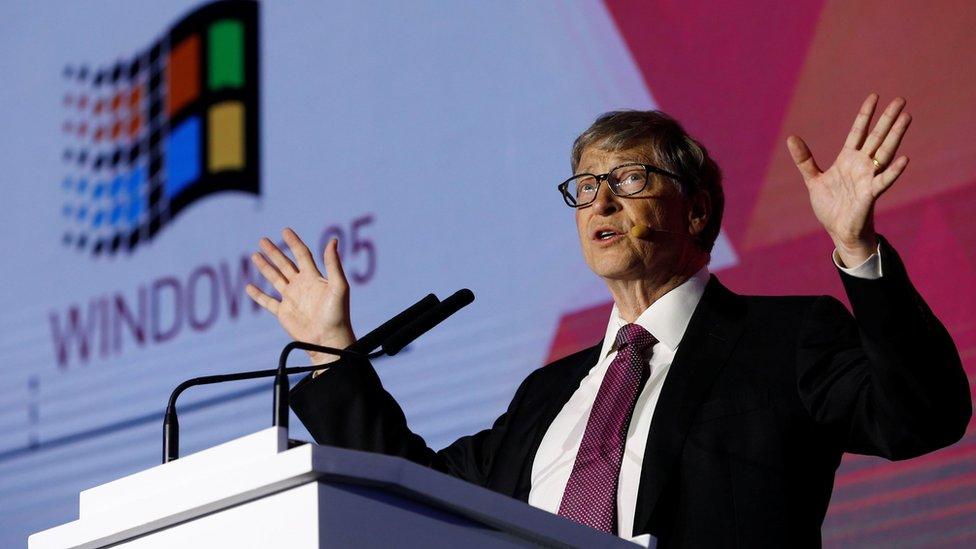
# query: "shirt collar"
667 318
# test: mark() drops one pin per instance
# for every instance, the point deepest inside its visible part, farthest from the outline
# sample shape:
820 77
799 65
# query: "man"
704 418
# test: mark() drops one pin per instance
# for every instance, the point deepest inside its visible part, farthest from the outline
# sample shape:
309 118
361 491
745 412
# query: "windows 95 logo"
147 137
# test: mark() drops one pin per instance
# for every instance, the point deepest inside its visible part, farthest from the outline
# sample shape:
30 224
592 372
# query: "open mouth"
606 235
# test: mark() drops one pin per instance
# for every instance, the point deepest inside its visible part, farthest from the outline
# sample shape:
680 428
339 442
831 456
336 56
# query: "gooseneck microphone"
643 232
371 341
171 424
365 344
358 350
428 320
401 330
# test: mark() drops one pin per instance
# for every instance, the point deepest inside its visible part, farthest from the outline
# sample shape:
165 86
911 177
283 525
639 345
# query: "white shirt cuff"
870 269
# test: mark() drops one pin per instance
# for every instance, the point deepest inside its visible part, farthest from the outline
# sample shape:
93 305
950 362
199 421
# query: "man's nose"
606 202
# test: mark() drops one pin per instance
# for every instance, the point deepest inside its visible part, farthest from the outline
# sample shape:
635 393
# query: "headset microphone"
643 232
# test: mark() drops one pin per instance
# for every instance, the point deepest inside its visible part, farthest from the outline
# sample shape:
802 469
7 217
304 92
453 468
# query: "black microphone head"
461 298
374 339
437 314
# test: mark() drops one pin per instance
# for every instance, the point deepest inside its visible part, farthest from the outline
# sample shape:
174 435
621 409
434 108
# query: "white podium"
255 492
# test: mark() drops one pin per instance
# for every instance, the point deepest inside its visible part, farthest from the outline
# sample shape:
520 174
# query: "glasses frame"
600 178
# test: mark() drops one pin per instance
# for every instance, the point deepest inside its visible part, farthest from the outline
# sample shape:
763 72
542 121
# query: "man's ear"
699 212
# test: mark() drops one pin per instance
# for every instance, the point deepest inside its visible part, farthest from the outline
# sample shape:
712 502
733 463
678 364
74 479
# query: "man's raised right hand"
312 308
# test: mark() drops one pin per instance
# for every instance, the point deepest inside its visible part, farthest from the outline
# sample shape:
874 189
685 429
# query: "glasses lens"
582 189
629 179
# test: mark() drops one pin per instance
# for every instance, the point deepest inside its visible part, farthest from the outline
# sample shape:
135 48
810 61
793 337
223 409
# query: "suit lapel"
709 339
548 412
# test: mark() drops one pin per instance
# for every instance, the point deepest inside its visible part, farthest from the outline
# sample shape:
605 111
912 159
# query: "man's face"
662 208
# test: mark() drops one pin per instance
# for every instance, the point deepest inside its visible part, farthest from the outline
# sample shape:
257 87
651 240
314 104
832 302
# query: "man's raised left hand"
843 196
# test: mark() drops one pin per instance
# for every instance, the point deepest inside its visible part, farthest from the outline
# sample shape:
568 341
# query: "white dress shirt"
666 319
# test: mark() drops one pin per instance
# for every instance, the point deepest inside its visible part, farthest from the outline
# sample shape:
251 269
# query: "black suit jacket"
762 398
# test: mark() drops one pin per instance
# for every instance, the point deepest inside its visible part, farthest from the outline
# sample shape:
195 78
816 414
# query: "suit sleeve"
347 406
889 381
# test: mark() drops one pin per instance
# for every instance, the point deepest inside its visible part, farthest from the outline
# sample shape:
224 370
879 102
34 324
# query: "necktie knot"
636 336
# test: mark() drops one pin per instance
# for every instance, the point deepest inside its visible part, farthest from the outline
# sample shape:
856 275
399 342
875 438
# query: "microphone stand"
171 425
392 336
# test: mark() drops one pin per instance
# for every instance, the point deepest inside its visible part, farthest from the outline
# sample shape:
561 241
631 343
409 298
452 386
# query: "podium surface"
256 492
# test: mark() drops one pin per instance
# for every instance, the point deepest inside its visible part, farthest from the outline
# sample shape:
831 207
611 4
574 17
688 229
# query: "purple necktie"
591 493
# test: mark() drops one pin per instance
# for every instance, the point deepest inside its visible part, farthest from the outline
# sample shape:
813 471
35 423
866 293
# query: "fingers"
856 136
881 129
802 157
883 181
333 266
269 303
889 147
269 272
300 251
278 258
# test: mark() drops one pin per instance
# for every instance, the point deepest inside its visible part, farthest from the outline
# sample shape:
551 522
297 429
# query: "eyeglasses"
624 180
